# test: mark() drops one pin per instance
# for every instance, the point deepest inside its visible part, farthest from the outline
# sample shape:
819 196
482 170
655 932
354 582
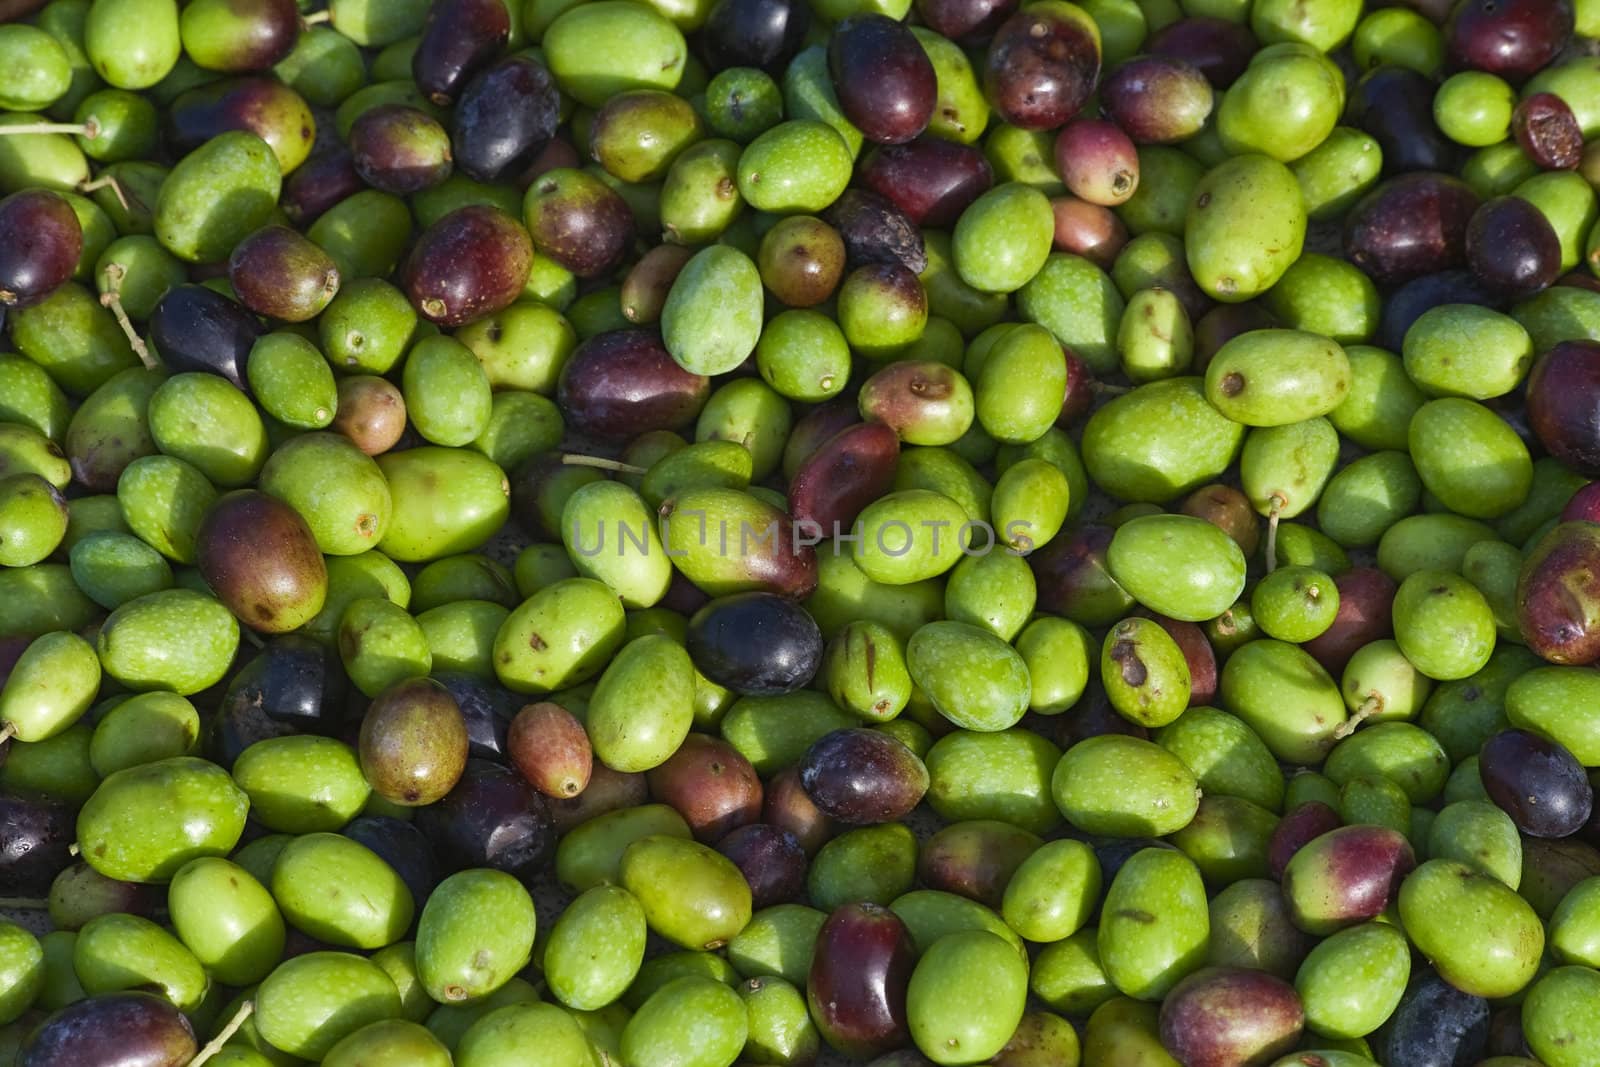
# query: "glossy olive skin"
863 777
277 272
469 264
757 644
1219 48
318 184
505 118
624 382
1561 408
857 983
458 39
930 179
875 230
1512 39
884 79
1537 782
137 1029
1041 67
260 558
1512 248
764 34
710 784
198 329
41 241
492 818
842 476
1413 225
770 859
39 832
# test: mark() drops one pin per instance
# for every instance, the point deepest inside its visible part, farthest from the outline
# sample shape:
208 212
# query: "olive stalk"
215 1045
112 299
89 129
574 459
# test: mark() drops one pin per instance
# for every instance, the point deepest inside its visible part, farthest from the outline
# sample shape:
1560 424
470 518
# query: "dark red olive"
549 747
883 78
770 859
1157 99
1558 594
863 776
1395 105
1512 248
1218 48
132 1029
623 383
196 328
1584 504
755 33
874 230
258 103
41 242
1228 510
856 986
608 790
1097 161
1088 230
1408 303
710 784
975 858
967 21
1564 404
1079 397
930 179
1226 1016
1548 132
578 221
459 39
399 149
318 184
1297 829
1222 324
789 807
1537 782
281 274
813 428
1074 579
471 263
1042 65
756 644
505 117
1511 38
1365 596
1354 872
1409 226
847 472
260 559
492 818
1197 654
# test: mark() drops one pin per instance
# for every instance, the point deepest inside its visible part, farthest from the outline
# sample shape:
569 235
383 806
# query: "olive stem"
252 637
574 459
111 298
1108 389
106 181
317 18
7 732
90 129
1369 707
25 903
214 1046
73 850
1272 533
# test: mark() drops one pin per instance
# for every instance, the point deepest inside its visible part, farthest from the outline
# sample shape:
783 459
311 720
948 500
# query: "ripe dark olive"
755 33
1407 303
623 383
1221 1015
402 846
1548 131
1218 48
1042 65
1511 38
874 230
258 103
413 742
1225 322
37 833
318 184
757 644
770 859
469 264
1512 248
967 21
1434 1025
259 557
1409 226
492 818
930 179
1073 578
883 78
460 38
279 273
975 858
578 221
134 1028
505 118
40 245
856 986
863 776
1564 404
1537 782
1395 105
1558 594
790 808
486 708
1366 595
710 784
294 681
1157 99
198 329
1091 231
1297 829
399 149
847 472
1097 161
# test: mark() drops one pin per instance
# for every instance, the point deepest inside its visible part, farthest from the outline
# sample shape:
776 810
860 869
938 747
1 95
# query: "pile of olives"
683 533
